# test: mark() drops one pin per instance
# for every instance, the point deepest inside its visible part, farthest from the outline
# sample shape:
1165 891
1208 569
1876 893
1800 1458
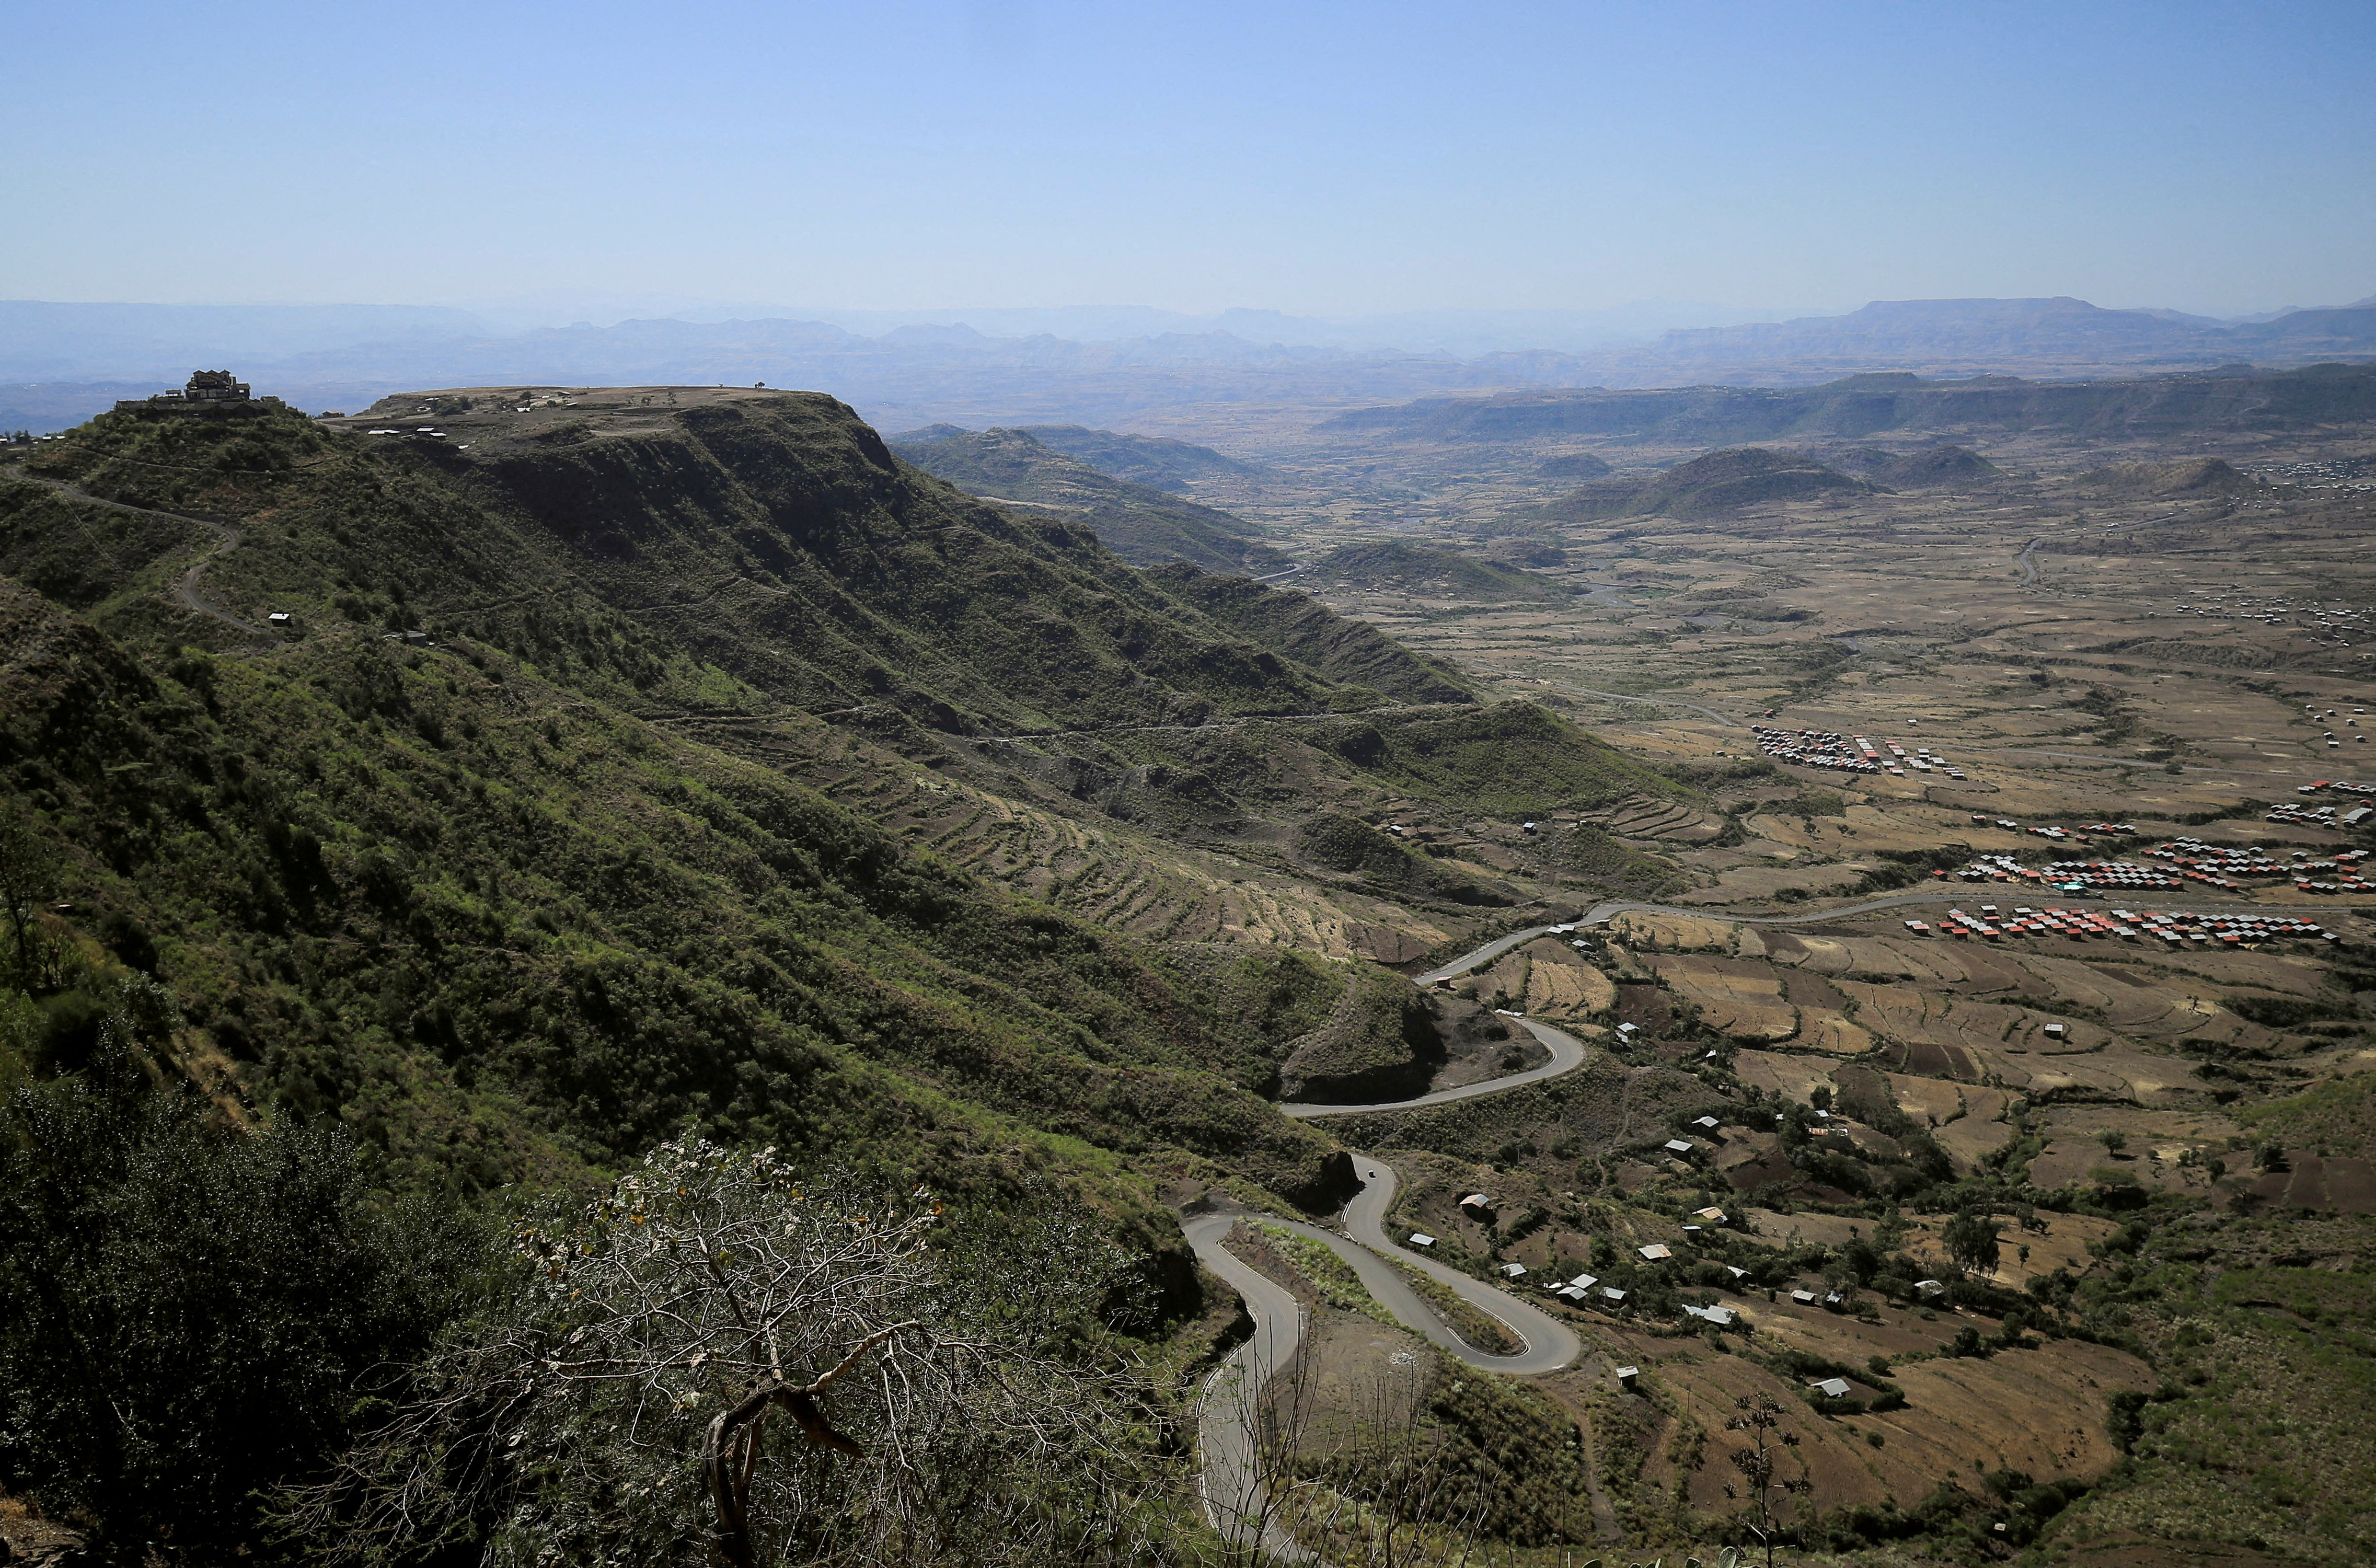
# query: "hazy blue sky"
1314 158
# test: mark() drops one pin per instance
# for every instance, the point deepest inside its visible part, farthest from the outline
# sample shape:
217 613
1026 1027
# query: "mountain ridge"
1709 485
1142 524
1869 403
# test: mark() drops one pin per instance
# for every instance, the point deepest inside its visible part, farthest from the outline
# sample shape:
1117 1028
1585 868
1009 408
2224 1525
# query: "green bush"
191 1315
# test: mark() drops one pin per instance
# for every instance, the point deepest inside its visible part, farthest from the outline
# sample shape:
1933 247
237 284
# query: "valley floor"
2173 1136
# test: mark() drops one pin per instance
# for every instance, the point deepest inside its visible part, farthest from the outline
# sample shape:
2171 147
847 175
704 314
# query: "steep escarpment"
738 565
771 546
437 863
1300 628
471 852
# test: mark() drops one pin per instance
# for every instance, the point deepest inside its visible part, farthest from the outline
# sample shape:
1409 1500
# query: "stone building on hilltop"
212 391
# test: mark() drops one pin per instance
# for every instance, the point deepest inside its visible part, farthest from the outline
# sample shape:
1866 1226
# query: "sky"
1333 158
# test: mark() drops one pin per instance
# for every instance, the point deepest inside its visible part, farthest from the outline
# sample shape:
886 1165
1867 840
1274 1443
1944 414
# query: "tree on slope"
719 1361
1760 1464
1971 1241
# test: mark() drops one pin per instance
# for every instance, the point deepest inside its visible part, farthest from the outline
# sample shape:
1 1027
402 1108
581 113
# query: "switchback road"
1567 1054
1235 1499
1230 1479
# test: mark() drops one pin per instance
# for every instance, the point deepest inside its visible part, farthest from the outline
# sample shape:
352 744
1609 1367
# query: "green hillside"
472 861
1511 759
1297 626
471 885
478 891
510 933
765 549
1142 524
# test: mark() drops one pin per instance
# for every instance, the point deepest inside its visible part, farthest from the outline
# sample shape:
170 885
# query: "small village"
2174 929
2336 620
1848 754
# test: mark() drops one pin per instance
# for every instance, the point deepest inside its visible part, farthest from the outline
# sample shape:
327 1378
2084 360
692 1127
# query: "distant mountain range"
917 373
1978 334
1857 406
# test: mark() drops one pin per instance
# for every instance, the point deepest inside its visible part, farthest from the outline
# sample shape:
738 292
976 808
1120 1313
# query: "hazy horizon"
1797 158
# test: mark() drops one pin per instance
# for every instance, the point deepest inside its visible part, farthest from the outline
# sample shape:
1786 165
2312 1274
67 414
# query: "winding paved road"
1551 1344
1567 1055
1229 1479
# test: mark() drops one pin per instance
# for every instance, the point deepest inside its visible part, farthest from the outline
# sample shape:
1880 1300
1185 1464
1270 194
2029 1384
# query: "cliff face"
772 539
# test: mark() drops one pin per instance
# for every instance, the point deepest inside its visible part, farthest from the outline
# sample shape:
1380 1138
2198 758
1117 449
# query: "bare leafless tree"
1760 1465
1393 1478
625 1405
1258 1500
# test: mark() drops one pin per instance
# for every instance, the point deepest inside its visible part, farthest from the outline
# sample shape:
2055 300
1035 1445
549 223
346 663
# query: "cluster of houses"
2169 930
2336 620
2293 815
2228 867
1815 748
2328 816
2216 863
2071 876
2334 742
1588 1289
1847 754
